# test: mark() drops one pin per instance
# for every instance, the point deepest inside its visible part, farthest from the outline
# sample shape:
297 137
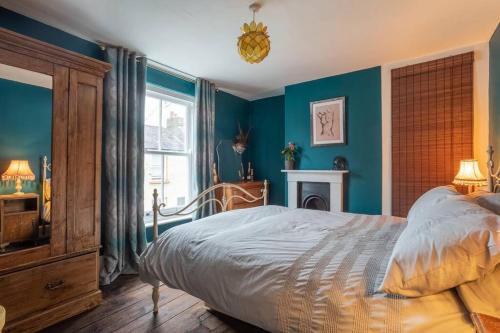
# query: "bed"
296 270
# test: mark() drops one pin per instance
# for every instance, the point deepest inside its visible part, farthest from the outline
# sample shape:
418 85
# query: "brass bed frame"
195 205
493 176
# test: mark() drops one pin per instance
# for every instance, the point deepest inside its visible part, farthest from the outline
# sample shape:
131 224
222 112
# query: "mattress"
297 270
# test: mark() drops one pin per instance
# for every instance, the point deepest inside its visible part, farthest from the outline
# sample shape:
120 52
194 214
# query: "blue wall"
25 129
495 92
267 121
363 150
164 80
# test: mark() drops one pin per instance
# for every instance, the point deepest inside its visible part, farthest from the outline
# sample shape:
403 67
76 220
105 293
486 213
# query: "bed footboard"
200 201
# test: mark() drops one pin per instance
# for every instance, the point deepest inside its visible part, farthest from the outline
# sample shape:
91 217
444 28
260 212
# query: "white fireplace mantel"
334 177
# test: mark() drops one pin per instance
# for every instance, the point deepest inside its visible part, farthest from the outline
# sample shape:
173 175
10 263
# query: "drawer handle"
54 285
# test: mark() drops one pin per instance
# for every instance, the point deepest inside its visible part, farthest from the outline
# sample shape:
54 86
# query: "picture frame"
328 118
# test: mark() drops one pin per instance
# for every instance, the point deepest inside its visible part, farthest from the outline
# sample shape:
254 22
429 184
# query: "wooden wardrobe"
44 284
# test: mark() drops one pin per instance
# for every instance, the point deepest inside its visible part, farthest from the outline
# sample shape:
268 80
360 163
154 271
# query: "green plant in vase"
289 153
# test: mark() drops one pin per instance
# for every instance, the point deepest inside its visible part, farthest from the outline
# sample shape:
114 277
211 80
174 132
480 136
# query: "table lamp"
18 170
469 175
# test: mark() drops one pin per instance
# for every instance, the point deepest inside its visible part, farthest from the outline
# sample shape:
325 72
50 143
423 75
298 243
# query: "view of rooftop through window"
168 150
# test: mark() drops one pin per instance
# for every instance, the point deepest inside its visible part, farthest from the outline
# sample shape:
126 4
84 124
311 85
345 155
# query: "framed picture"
328 122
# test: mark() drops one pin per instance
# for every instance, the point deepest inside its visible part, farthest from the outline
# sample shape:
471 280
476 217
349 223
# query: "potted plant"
289 152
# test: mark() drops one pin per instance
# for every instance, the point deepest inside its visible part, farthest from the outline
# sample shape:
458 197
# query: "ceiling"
309 39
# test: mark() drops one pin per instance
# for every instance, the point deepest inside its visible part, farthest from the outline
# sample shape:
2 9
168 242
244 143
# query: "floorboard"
127 307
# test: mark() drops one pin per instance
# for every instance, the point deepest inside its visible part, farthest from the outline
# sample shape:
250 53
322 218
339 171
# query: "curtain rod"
170 70
157 65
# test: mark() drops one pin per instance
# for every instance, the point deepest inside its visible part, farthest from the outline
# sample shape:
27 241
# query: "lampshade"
254 44
18 169
469 174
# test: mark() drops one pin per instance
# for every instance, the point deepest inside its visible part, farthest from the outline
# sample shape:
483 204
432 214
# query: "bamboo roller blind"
432 126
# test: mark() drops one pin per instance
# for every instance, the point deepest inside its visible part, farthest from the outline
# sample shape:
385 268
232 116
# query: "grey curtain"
205 128
123 232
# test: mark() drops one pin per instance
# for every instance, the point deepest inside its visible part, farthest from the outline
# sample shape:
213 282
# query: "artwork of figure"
327 122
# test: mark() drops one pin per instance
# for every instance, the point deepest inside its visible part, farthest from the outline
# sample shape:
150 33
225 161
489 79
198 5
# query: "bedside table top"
249 184
19 196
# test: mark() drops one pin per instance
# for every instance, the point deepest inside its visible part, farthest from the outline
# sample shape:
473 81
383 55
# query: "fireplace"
316 189
313 195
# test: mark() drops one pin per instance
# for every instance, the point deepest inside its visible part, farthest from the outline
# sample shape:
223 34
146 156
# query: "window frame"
168 95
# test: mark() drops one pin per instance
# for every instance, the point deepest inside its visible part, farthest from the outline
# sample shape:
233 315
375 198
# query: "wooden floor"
127 307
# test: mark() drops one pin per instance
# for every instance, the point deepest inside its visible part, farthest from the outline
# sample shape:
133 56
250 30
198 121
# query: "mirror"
25 155
229 162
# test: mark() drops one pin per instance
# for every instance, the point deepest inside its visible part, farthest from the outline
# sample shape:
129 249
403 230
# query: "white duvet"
297 270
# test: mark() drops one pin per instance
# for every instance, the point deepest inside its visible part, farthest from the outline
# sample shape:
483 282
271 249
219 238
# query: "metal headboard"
191 208
493 177
46 189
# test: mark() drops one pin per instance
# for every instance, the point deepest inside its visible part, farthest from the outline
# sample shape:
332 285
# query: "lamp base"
19 187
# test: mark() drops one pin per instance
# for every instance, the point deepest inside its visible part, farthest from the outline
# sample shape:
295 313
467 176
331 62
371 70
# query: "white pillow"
488 200
429 199
452 242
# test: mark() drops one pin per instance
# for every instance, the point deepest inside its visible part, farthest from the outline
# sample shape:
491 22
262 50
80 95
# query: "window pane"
152 178
174 126
176 185
152 123
167 130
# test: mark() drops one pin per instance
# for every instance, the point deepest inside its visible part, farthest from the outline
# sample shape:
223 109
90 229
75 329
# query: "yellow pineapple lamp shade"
254 44
18 170
469 174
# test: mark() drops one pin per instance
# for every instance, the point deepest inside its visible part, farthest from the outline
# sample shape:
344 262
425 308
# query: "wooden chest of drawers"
47 285
255 188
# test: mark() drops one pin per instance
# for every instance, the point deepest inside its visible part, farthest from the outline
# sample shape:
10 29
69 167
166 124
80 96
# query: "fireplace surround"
318 189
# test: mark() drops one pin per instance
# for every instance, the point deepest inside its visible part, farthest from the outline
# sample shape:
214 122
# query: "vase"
289 164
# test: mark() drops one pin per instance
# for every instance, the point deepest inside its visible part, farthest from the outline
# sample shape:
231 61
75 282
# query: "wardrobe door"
59 160
84 161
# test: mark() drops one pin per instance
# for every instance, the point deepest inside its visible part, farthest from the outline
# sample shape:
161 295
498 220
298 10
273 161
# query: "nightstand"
18 215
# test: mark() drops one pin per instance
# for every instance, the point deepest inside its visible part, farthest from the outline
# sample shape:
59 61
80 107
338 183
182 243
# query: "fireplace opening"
315 202
314 195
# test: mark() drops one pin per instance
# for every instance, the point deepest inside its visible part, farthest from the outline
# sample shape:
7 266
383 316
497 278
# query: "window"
168 143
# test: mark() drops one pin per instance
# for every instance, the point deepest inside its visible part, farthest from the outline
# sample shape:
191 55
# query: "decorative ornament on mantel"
254 44
240 141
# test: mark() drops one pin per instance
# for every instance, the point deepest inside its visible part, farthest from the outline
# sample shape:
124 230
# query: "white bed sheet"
297 270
